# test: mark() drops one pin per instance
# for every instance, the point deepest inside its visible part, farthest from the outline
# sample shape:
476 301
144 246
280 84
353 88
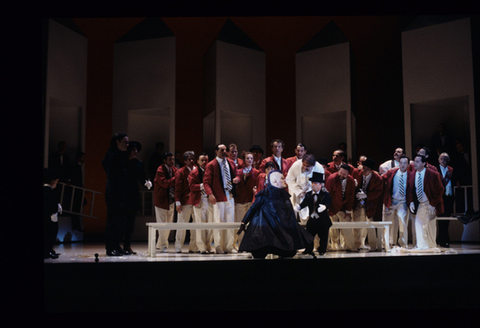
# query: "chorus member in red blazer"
182 202
425 201
424 151
257 152
368 192
164 197
262 179
337 161
220 182
395 207
277 159
233 155
449 181
300 151
248 177
341 187
202 209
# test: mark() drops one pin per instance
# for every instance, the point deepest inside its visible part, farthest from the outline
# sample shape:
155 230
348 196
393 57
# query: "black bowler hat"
317 177
256 147
134 144
369 163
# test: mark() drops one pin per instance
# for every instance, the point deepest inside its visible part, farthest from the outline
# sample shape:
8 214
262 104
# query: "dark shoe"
114 252
50 256
128 251
53 252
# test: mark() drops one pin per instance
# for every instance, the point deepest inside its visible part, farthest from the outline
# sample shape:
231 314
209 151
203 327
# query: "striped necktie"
226 174
420 188
343 189
401 185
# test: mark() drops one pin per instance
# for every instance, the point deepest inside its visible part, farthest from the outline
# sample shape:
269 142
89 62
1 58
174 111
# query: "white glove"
297 208
431 210
54 217
59 209
412 207
321 208
361 195
148 184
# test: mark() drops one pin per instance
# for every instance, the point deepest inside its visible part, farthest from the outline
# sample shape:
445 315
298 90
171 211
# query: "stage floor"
82 252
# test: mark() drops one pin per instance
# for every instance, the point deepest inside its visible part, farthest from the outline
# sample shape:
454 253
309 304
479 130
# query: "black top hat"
323 161
369 163
256 147
317 177
134 144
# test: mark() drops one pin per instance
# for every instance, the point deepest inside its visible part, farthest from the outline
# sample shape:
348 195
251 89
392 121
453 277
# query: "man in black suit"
318 201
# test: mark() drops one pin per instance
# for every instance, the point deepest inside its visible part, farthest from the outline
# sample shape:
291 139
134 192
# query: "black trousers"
321 228
115 226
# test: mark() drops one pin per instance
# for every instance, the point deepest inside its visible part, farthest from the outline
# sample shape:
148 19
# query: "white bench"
154 226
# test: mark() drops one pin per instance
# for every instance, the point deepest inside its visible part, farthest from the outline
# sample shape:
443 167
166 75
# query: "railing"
467 194
77 201
148 208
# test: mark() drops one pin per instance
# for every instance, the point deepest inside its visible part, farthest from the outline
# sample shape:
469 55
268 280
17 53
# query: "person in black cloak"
272 226
116 193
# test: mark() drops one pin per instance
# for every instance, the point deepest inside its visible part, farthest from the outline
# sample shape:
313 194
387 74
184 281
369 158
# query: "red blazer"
290 162
388 186
213 179
195 179
432 186
374 191
245 186
260 183
182 188
334 187
240 164
333 169
162 182
285 166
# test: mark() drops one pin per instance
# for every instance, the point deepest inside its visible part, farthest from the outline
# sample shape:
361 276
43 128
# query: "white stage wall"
144 92
234 96
438 86
324 117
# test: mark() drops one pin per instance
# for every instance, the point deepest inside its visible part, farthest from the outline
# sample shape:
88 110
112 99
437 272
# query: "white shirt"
279 161
422 174
396 185
220 161
367 179
448 187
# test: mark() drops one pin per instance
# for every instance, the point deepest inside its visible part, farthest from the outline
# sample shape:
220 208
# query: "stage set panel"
234 91
323 88
144 86
439 94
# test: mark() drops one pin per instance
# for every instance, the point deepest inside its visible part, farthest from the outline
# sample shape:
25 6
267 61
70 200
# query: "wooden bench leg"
151 241
387 238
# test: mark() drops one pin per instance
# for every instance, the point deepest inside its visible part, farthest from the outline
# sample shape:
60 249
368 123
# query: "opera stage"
447 282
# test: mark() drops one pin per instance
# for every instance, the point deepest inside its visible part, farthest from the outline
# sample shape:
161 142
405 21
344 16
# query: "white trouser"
341 238
425 227
360 234
240 211
203 213
184 216
224 212
398 215
164 216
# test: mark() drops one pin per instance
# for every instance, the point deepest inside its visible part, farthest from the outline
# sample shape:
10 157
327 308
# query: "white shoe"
219 250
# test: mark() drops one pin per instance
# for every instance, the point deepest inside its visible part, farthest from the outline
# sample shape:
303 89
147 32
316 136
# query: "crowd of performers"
282 205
